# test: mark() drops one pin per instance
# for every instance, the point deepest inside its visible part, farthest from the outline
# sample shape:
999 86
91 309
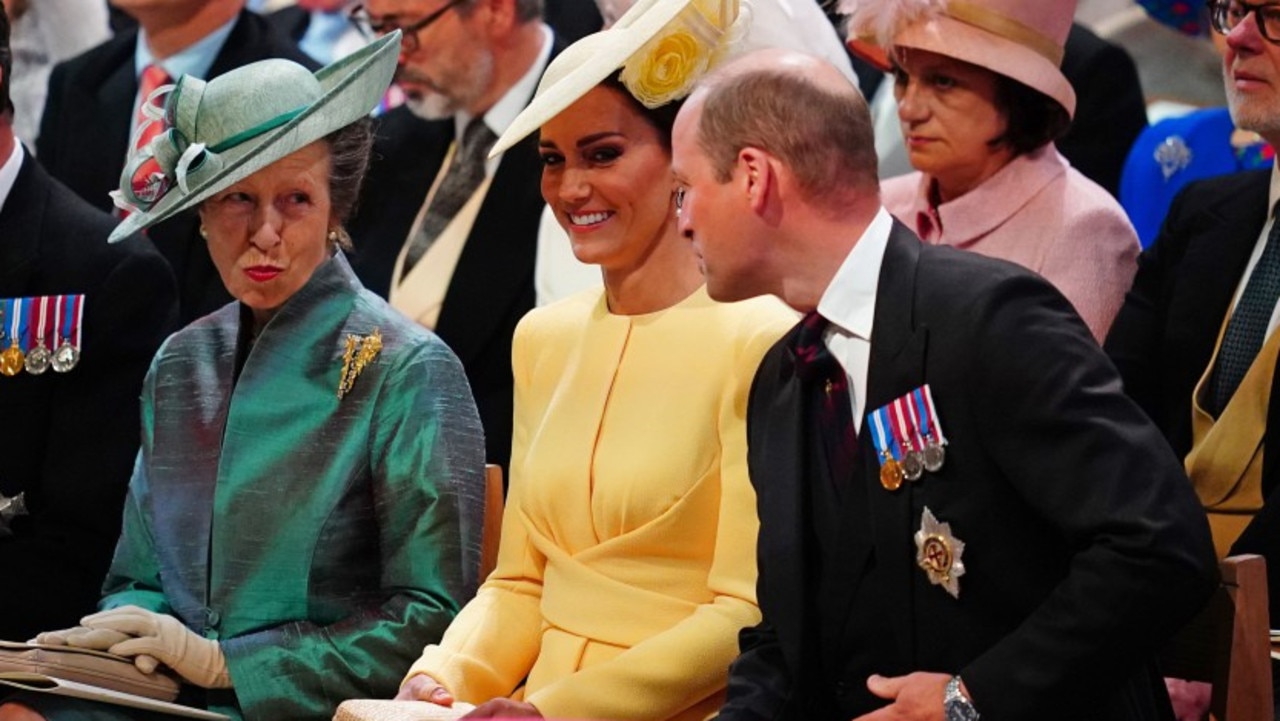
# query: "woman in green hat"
305 510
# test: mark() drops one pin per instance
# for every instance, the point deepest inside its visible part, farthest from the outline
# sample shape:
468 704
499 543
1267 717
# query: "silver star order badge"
938 553
1172 155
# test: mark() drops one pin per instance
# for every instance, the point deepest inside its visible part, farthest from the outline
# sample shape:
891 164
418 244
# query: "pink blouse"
1042 214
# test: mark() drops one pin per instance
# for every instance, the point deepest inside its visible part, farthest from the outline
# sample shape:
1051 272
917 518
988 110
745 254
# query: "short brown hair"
1031 117
823 136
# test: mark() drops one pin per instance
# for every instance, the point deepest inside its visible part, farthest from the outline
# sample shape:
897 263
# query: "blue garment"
1174 152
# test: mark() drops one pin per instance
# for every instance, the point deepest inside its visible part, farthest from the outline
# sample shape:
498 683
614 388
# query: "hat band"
257 130
1007 28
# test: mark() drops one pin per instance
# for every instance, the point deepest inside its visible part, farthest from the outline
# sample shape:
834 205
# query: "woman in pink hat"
981 99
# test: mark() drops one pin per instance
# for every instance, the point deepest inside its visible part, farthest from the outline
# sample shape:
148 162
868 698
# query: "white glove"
158 636
81 637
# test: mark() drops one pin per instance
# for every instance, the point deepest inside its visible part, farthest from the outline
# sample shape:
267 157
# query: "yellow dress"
627 562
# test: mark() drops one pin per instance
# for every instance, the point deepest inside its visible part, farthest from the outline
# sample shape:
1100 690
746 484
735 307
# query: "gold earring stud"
333 235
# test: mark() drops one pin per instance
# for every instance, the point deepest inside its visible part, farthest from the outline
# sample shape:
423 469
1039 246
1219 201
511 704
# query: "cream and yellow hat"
224 130
662 46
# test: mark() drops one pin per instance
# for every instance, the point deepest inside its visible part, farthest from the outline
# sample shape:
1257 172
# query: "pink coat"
1042 214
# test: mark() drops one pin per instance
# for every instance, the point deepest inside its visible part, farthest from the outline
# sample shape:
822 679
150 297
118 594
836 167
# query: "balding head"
799 109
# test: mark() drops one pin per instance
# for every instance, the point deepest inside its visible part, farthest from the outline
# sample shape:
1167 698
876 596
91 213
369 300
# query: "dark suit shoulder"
255 38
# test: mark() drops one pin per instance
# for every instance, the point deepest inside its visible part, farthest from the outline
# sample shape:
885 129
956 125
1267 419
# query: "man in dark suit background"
464 269
68 440
1209 282
90 113
1042 554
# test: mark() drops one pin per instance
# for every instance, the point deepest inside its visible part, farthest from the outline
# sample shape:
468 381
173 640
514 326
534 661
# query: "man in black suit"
1205 284
89 115
1049 542
467 63
68 440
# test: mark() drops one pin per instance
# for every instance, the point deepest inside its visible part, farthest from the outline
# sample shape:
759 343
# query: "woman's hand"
504 708
424 688
81 637
152 637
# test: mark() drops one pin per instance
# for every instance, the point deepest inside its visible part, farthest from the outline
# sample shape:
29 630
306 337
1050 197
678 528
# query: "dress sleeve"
688 662
134 576
426 462
490 647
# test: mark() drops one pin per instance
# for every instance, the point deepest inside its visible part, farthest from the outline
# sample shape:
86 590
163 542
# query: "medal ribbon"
904 434
931 415
59 302
79 316
41 313
17 323
914 403
881 438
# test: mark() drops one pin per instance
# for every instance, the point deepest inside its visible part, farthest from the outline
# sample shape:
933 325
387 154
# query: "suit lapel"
20 229
896 367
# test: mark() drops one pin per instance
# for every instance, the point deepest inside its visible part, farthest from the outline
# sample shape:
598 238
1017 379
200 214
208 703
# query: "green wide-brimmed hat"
221 131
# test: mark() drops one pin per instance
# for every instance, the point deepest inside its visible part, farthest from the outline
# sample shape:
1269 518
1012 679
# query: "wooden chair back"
1228 645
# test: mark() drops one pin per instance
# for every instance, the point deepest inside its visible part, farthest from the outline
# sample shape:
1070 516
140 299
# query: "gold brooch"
359 353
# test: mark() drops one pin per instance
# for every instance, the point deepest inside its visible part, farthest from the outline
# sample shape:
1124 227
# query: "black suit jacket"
69 440
492 286
1084 544
1110 109
84 138
1163 337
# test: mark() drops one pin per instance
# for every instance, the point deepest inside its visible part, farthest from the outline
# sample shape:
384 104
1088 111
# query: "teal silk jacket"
323 542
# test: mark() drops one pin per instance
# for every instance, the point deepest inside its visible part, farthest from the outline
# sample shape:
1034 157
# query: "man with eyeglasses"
1195 341
448 236
92 112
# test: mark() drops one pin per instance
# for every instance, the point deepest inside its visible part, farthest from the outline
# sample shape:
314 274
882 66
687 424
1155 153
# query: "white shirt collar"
849 302
9 172
503 112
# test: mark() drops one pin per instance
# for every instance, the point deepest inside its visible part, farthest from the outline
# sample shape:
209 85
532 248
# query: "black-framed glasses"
1226 14
371 27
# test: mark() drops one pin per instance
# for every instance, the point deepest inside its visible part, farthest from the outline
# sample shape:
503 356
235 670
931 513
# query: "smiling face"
1251 75
269 232
607 177
949 116
451 68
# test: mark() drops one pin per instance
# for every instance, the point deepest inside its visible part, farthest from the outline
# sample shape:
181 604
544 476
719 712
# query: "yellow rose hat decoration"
662 47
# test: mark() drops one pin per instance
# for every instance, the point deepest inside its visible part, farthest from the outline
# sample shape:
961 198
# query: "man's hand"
424 688
504 708
915 697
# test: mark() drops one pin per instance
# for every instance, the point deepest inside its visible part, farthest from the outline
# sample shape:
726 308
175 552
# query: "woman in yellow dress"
627 560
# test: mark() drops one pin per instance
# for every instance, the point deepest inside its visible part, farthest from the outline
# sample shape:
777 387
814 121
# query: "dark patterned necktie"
464 175
1247 328
828 393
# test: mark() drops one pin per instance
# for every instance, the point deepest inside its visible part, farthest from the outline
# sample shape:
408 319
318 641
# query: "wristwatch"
955 705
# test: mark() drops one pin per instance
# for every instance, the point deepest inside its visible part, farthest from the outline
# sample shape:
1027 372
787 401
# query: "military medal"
891 474
935 442
39 357
69 314
938 553
912 459
359 353
12 358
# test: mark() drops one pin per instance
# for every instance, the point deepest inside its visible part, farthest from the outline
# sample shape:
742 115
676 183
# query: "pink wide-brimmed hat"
1020 39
